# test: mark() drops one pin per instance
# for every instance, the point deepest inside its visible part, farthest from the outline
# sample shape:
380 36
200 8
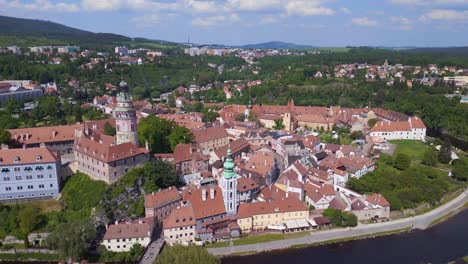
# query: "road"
153 249
421 222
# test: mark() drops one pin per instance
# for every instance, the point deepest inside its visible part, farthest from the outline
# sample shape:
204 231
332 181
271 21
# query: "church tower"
125 117
228 185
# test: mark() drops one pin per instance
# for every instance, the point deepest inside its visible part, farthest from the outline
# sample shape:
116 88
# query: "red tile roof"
280 206
49 134
209 134
128 230
209 207
180 217
27 156
162 197
378 199
245 184
107 153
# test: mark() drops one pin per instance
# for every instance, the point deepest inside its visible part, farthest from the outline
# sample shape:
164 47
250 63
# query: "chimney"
203 195
140 221
100 141
5 146
116 222
212 193
146 145
54 133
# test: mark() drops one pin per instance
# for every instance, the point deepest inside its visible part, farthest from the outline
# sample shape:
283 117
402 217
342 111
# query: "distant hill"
276 45
50 30
27 32
446 51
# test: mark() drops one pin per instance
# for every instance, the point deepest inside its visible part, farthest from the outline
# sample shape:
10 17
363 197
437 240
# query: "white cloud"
364 21
147 19
102 5
401 23
429 2
215 20
253 5
202 6
346 11
307 8
42 6
270 19
445 15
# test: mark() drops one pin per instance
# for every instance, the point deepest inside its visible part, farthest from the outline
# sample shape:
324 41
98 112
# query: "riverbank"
422 221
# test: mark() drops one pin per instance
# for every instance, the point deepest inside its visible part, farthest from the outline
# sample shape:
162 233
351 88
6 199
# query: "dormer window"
28 169
49 167
16 159
38 157
39 168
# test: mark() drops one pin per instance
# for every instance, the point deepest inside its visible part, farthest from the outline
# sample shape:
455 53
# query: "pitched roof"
389 126
235 146
378 199
245 184
27 156
180 217
182 152
36 135
276 206
107 153
128 230
162 197
209 134
209 207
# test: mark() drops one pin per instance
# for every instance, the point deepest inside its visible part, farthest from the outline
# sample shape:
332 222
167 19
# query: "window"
40 176
6 179
19 178
41 186
30 187
19 187
7 188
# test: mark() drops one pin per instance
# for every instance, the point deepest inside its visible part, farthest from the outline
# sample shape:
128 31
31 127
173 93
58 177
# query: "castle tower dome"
125 117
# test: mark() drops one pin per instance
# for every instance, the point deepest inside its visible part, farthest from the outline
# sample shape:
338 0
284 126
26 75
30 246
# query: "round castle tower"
125 117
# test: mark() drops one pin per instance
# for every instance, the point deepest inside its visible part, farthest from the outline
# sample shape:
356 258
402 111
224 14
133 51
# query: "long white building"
413 129
31 173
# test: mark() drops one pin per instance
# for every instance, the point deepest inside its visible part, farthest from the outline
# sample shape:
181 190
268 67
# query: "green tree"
371 122
430 157
162 135
180 135
73 239
5 136
171 101
278 124
109 130
460 170
209 114
12 105
445 153
181 255
28 220
402 161
356 135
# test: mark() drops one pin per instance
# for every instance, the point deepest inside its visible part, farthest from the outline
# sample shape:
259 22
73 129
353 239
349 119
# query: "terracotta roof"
27 156
337 204
128 230
245 184
182 152
36 135
358 205
107 153
261 162
235 146
279 206
180 217
417 122
389 126
378 199
162 197
209 134
209 207
316 192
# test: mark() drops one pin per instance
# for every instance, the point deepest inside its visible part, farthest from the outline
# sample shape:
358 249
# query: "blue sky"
233 22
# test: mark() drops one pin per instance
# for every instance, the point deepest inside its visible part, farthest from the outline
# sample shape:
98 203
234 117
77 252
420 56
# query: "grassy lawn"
45 206
413 148
257 239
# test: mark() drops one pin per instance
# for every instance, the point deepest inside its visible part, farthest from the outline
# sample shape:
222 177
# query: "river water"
442 243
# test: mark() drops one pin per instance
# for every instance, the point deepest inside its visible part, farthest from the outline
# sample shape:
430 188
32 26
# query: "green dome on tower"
229 165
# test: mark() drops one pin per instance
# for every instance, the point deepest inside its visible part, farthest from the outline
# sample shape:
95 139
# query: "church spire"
229 165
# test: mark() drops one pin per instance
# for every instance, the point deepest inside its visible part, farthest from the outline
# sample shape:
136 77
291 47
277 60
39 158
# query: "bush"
430 157
401 161
182 255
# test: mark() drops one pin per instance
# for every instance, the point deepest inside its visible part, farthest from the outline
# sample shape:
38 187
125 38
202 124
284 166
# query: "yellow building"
270 215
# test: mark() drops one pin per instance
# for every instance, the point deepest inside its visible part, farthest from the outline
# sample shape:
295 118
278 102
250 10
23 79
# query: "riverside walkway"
422 221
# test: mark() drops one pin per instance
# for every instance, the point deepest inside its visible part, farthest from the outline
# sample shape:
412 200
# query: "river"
442 243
